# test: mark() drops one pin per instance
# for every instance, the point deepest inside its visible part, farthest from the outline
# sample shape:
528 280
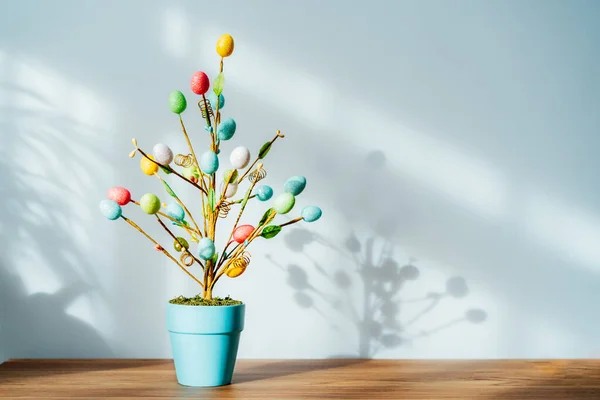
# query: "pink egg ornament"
242 233
200 83
119 195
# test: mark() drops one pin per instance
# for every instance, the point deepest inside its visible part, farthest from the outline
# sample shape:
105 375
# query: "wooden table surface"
307 379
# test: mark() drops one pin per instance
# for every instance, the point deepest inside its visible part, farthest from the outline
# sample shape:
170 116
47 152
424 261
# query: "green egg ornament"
209 162
295 185
284 203
311 213
150 203
177 102
180 244
191 172
206 248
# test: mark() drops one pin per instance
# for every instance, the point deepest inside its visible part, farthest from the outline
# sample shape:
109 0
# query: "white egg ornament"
162 154
231 189
240 157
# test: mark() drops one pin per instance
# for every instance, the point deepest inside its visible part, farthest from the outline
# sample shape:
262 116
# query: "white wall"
461 134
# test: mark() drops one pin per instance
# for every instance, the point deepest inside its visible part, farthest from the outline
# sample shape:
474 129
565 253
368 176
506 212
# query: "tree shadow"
46 287
376 316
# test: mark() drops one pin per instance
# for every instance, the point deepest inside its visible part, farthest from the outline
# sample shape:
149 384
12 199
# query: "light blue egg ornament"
175 211
110 209
206 248
311 213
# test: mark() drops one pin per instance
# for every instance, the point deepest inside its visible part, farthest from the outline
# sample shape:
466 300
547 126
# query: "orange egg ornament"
225 45
242 233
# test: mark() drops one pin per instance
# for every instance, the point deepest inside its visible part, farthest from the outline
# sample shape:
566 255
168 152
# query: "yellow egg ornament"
225 45
147 166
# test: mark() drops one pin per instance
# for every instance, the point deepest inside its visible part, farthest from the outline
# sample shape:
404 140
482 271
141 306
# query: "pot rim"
169 304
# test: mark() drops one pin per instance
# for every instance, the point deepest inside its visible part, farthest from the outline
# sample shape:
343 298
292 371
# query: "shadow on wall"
43 276
381 279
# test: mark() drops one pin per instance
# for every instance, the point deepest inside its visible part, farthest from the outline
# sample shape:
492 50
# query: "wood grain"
307 379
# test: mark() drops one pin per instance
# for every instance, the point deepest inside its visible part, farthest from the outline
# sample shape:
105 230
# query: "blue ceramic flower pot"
204 342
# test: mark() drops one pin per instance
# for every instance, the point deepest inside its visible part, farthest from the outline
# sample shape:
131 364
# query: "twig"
242 199
172 170
184 207
277 136
189 143
175 238
187 228
293 221
246 197
130 222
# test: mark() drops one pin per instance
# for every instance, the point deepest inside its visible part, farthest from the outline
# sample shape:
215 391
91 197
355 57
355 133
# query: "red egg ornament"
119 195
242 233
199 83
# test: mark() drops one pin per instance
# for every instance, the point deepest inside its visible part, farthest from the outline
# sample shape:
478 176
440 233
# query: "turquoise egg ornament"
264 192
209 162
212 97
226 129
311 213
110 209
295 185
175 211
284 203
206 248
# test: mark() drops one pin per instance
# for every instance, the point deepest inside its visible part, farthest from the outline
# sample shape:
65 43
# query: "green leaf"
246 197
267 217
211 199
184 222
215 258
165 170
264 150
168 189
270 231
231 175
218 85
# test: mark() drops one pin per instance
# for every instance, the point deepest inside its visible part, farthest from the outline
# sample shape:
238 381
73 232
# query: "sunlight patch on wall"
82 309
569 230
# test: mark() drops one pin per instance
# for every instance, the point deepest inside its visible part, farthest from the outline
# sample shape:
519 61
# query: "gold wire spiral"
257 175
186 258
203 106
184 160
236 266
224 209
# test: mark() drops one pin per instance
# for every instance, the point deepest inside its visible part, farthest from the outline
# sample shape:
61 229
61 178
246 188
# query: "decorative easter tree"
217 194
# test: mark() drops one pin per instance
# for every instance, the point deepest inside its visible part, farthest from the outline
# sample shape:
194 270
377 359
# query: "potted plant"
205 330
